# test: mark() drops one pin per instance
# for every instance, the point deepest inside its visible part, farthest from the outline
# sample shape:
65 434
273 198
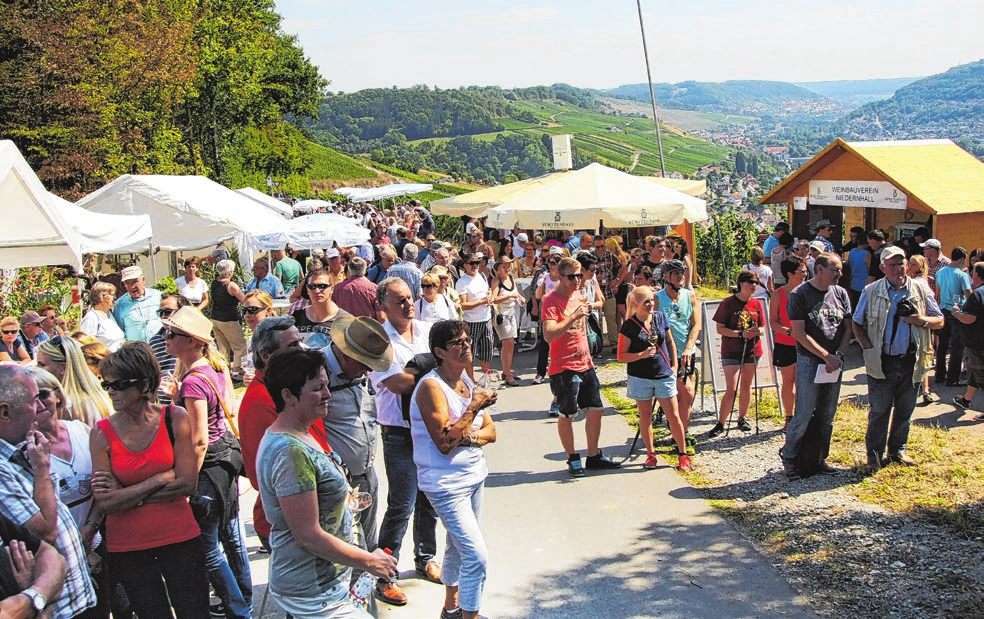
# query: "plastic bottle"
363 586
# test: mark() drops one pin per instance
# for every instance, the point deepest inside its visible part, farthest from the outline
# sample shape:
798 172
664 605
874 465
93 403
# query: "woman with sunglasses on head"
314 321
206 392
449 429
11 348
226 297
63 357
434 306
99 321
144 468
71 466
507 299
646 345
794 272
170 303
257 305
740 321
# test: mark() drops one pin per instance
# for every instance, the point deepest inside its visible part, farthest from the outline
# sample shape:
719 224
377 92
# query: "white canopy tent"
280 208
582 198
187 212
309 206
318 230
393 190
35 233
106 234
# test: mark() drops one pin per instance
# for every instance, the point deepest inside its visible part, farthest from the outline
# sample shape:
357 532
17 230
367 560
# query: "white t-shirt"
441 309
192 292
389 407
104 328
476 288
764 274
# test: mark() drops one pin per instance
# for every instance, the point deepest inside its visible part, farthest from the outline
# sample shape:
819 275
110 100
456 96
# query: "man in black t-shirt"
971 315
876 243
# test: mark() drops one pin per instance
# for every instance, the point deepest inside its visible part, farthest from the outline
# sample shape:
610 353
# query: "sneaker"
651 462
684 463
574 467
451 615
554 409
743 425
217 610
961 402
495 352
537 379
717 429
928 398
826 469
600 462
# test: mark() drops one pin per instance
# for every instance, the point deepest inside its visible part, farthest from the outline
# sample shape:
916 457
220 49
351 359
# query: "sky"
597 44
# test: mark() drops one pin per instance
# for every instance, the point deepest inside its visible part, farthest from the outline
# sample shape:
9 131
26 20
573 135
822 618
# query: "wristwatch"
37 600
789 331
466 441
925 323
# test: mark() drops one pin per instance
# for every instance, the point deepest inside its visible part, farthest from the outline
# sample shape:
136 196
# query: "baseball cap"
29 318
890 252
817 245
131 273
932 243
332 253
522 237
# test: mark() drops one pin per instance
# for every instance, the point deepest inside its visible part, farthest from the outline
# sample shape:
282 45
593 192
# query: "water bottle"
363 586
485 382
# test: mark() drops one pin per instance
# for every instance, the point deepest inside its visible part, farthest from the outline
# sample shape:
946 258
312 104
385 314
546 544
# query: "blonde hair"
93 350
47 380
636 298
758 255
99 290
430 278
7 321
89 403
922 265
260 295
614 245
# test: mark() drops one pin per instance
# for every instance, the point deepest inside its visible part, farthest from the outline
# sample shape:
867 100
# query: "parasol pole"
652 93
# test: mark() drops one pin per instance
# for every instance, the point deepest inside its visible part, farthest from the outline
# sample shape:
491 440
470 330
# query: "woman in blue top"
646 344
859 259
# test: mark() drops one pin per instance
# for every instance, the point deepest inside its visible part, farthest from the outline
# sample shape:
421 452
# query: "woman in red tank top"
144 467
793 268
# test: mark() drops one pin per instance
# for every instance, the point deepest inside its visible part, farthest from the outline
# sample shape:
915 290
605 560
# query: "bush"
738 235
34 287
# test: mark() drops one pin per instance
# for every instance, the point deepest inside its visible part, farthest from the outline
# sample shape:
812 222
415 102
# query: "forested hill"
946 105
755 97
373 118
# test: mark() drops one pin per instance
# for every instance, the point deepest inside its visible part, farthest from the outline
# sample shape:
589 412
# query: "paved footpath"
614 545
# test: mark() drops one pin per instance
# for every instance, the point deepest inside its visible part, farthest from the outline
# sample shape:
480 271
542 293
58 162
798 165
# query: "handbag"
595 342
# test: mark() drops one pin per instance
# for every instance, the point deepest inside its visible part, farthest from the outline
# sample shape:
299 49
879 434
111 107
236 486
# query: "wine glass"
358 501
485 382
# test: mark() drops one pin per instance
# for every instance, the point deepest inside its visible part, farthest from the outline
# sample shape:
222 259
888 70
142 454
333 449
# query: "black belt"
908 353
395 430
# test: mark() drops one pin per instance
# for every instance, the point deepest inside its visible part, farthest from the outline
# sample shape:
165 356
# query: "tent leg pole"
153 263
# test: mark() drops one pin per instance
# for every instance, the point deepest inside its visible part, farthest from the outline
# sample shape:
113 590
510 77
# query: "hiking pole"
744 346
756 396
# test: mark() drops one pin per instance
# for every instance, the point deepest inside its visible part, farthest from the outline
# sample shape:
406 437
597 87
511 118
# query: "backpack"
810 453
424 362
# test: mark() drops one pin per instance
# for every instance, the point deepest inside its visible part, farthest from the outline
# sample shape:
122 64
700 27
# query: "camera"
906 307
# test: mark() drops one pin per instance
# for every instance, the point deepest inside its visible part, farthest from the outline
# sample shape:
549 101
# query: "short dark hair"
182 301
136 360
782 226
586 260
786 239
958 253
876 235
921 231
645 272
979 269
290 369
858 230
747 276
823 260
191 261
442 332
790 264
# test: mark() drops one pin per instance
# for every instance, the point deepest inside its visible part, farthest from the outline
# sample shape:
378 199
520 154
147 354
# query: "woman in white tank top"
449 429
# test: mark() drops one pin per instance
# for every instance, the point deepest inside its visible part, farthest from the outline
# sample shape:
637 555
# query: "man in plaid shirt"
933 250
609 273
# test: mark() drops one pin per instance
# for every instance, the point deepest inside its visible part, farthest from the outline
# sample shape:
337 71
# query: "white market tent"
318 230
34 233
281 208
393 190
309 206
582 198
106 234
187 212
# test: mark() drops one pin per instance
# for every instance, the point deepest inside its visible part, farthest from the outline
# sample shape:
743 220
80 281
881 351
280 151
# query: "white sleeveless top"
73 479
463 466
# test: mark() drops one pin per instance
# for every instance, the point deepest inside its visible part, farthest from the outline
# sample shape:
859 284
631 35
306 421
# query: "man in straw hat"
358 344
136 311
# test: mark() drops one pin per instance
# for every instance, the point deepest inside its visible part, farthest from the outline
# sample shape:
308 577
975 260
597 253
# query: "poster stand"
713 373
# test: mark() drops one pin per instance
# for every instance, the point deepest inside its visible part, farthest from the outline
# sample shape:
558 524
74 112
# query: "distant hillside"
743 97
946 105
489 134
856 93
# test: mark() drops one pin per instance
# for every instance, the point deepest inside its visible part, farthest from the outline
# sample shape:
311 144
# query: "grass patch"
710 293
947 486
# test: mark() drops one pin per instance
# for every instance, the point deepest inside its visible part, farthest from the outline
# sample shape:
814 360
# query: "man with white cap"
933 251
136 311
823 231
519 245
892 324
334 260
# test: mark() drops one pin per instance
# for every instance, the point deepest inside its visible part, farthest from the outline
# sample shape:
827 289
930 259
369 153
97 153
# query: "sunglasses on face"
318 286
164 313
474 263
170 335
462 341
119 385
44 394
574 276
553 262
6 332
253 309
426 286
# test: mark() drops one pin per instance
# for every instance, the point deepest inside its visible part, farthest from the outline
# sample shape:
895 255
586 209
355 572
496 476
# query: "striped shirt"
166 361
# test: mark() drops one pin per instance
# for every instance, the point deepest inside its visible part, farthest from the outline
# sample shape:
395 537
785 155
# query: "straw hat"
189 321
364 340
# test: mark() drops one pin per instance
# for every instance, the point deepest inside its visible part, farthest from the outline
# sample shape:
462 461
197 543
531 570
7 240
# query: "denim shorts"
576 390
649 388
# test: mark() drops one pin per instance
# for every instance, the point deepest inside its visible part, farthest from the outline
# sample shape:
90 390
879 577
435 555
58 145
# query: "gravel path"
848 557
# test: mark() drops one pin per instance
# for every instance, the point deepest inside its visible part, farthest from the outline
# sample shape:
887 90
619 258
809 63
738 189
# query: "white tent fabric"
275 205
34 232
105 234
187 212
393 190
349 191
308 206
318 230
580 199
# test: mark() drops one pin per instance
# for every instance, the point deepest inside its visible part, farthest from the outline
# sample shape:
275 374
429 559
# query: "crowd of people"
123 442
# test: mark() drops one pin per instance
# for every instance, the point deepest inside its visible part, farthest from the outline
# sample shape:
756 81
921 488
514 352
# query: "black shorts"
621 294
783 355
975 367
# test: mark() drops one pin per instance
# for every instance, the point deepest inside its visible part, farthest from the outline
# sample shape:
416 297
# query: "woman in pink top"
794 271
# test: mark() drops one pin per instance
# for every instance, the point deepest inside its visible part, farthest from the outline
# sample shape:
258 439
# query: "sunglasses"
474 262
425 286
553 262
170 335
44 394
120 385
754 283
164 313
253 309
573 276
462 341
5 332
57 341
318 286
